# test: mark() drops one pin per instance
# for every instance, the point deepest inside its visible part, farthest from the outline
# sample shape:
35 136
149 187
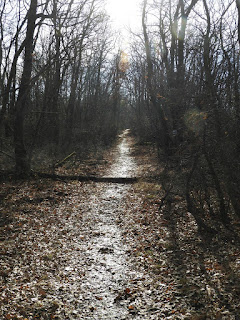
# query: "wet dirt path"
108 274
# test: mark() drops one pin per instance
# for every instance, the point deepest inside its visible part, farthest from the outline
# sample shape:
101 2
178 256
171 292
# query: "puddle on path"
108 274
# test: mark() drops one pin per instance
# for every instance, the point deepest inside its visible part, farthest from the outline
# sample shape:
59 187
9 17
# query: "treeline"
63 83
59 77
184 89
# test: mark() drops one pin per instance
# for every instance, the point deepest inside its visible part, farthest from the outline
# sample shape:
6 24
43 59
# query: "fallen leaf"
42 293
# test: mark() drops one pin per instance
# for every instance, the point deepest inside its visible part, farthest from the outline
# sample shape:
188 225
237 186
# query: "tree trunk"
22 161
153 95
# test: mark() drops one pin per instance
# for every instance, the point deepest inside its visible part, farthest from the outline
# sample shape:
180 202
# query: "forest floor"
97 250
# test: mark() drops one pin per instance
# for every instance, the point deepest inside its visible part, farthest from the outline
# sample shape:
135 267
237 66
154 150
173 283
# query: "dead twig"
59 163
8 155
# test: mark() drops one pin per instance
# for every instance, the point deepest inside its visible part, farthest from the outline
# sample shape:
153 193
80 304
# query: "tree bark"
22 161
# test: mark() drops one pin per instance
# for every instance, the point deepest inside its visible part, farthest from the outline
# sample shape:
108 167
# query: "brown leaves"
42 293
127 291
189 275
49 255
124 295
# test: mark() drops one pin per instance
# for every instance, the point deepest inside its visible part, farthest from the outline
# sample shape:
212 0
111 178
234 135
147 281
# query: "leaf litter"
104 251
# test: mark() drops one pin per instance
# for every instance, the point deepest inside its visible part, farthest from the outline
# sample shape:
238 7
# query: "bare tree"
166 139
22 163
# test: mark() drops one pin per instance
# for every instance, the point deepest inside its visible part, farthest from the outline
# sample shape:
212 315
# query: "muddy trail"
105 251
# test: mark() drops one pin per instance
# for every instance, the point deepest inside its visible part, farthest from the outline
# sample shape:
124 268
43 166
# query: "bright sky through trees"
125 15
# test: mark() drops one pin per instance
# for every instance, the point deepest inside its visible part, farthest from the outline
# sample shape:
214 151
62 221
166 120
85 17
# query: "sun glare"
125 16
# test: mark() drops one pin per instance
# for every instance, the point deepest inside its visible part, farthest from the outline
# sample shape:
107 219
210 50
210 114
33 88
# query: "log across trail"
82 178
122 167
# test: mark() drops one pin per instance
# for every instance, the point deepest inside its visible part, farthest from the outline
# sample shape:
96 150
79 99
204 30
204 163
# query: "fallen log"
121 180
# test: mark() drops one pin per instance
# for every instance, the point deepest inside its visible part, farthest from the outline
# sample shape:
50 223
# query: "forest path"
74 250
64 255
106 282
